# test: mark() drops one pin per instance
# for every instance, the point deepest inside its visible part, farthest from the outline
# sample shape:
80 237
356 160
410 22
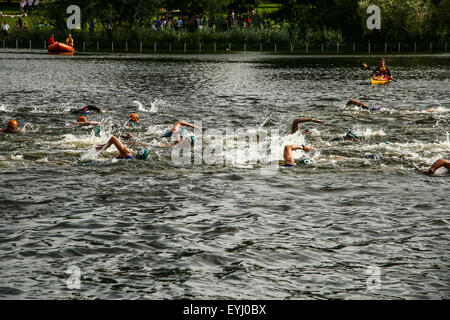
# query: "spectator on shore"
22 6
91 26
179 24
25 27
30 6
36 4
109 29
5 30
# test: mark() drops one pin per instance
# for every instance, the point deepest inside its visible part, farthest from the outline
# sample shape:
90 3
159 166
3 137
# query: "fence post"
260 46
45 44
446 47
275 47
229 46
154 46
291 47
199 47
84 46
322 47
353 47
245 46
112 46
337 48
307 48
30 44
369 47
431 45
214 47
97 45
126 46
385 47
399 47
17 44
170 46
185 47
140 46
415 47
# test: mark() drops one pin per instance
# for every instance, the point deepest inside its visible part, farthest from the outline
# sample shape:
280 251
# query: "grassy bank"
210 41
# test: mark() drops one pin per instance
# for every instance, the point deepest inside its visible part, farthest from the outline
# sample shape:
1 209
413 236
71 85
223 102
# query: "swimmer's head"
305 161
351 136
143 154
12 124
134 118
82 119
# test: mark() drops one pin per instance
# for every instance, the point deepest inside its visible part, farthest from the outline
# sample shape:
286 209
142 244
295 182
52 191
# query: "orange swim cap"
13 123
134 117
82 119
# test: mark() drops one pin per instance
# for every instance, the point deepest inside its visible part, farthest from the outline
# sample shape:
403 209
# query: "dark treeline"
305 20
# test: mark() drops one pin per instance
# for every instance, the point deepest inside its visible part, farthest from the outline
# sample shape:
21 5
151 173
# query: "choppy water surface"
151 229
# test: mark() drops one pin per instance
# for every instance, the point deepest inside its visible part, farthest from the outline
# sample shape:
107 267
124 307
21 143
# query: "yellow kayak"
380 80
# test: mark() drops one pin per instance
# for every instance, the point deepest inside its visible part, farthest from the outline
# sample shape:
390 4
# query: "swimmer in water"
133 120
87 109
83 121
296 124
177 134
287 154
11 127
349 136
439 163
125 153
361 105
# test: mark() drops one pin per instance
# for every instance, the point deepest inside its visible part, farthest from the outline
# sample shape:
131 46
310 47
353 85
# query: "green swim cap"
192 140
97 131
305 161
143 154
352 135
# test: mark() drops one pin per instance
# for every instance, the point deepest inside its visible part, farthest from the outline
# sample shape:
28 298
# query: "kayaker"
296 124
69 40
87 109
51 40
83 121
287 154
178 134
362 105
125 153
439 163
11 127
382 70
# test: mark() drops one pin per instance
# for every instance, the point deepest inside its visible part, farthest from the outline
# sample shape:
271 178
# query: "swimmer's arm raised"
186 124
88 123
296 123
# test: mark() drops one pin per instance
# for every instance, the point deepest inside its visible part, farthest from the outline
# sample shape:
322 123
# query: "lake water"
233 230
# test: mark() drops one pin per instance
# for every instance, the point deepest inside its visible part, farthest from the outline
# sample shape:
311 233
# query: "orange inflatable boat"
60 48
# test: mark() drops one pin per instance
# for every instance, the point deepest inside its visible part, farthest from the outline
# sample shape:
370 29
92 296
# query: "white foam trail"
17 157
3 108
154 106
368 132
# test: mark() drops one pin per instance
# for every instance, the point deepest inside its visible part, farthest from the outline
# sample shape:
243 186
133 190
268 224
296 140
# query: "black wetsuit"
86 109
